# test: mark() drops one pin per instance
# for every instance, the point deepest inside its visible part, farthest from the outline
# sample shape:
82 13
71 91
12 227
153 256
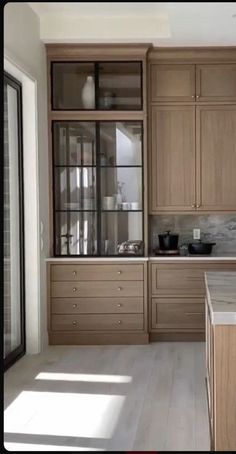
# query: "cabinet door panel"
172 158
177 313
172 83
216 82
216 132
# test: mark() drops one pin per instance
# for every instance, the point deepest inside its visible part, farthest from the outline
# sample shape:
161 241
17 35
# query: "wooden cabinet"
193 83
185 180
172 82
216 157
177 298
216 82
94 302
221 384
172 158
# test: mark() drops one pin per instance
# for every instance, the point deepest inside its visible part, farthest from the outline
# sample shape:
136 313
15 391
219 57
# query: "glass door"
14 317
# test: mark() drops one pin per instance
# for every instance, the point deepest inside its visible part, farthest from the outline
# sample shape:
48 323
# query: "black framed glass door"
14 286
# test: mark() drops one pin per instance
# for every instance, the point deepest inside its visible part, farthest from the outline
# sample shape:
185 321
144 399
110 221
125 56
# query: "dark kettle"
168 241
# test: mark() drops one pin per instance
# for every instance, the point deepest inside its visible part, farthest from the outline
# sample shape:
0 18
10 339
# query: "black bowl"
200 248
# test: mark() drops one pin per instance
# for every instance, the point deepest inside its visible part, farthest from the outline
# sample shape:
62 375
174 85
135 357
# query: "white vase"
88 93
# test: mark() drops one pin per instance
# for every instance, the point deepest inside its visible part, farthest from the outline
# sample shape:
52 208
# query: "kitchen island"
221 358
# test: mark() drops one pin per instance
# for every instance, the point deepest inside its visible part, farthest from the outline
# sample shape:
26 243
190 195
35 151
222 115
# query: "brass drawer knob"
193 206
198 206
75 305
74 322
119 272
74 273
119 305
119 322
197 96
75 289
193 96
119 289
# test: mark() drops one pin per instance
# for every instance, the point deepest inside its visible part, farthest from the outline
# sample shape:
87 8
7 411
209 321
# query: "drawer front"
183 279
177 279
97 322
98 272
96 305
175 313
118 289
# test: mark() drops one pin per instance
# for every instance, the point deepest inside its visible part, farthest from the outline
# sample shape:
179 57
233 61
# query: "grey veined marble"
221 297
220 229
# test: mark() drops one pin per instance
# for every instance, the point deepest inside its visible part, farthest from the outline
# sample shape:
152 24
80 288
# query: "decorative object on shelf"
68 237
134 206
108 203
103 159
131 247
88 93
118 196
107 101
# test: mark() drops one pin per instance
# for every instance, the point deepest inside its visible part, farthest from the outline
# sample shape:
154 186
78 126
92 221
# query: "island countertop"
221 297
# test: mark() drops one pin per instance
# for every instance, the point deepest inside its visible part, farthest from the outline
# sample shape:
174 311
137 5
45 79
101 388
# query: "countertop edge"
217 317
141 259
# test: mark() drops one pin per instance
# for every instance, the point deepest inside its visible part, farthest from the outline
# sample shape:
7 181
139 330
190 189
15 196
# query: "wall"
25 54
220 229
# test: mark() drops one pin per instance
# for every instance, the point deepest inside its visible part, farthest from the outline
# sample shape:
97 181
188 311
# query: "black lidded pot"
168 241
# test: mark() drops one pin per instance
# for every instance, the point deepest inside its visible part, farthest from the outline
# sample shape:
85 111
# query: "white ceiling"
164 24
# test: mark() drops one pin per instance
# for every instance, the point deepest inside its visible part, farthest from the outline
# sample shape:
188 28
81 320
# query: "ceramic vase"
88 93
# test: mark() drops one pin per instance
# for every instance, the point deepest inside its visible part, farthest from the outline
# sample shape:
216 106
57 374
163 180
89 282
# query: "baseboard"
191 337
98 338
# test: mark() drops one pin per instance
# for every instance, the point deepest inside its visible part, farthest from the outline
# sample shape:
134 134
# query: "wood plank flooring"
147 397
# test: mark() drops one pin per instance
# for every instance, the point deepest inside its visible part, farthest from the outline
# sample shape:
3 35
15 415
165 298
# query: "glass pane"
74 143
120 86
73 86
75 188
76 233
118 228
12 243
121 188
121 143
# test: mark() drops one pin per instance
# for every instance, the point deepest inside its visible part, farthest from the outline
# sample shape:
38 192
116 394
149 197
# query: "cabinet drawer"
96 305
98 322
98 272
97 289
177 280
177 313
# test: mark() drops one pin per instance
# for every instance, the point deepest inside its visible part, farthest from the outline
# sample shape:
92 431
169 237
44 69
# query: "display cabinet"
97 114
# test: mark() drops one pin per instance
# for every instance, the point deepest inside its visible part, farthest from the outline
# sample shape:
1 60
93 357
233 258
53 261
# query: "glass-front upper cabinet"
96 85
98 187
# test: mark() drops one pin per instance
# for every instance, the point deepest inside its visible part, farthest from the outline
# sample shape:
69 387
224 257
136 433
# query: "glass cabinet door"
69 82
75 188
120 85
98 187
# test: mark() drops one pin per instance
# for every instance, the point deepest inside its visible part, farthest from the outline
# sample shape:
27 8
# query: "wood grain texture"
175 313
216 82
97 305
224 388
97 289
93 272
185 55
97 322
172 158
172 83
96 51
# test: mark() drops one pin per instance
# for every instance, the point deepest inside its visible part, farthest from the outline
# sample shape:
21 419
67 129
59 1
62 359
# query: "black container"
200 248
168 241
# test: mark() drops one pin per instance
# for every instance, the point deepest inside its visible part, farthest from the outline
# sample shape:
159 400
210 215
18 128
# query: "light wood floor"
149 397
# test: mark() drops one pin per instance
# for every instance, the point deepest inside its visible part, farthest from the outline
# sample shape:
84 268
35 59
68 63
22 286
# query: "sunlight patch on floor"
64 414
96 378
39 447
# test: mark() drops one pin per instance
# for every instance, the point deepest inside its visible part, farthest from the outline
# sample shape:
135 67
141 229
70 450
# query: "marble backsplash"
220 229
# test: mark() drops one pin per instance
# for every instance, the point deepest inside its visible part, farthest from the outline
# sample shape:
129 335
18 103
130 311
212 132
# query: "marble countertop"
221 296
178 258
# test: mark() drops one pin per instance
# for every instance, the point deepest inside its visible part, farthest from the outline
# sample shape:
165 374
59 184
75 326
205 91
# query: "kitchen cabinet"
172 163
187 179
221 360
113 310
177 298
97 137
216 82
172 83
192 83
216 157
